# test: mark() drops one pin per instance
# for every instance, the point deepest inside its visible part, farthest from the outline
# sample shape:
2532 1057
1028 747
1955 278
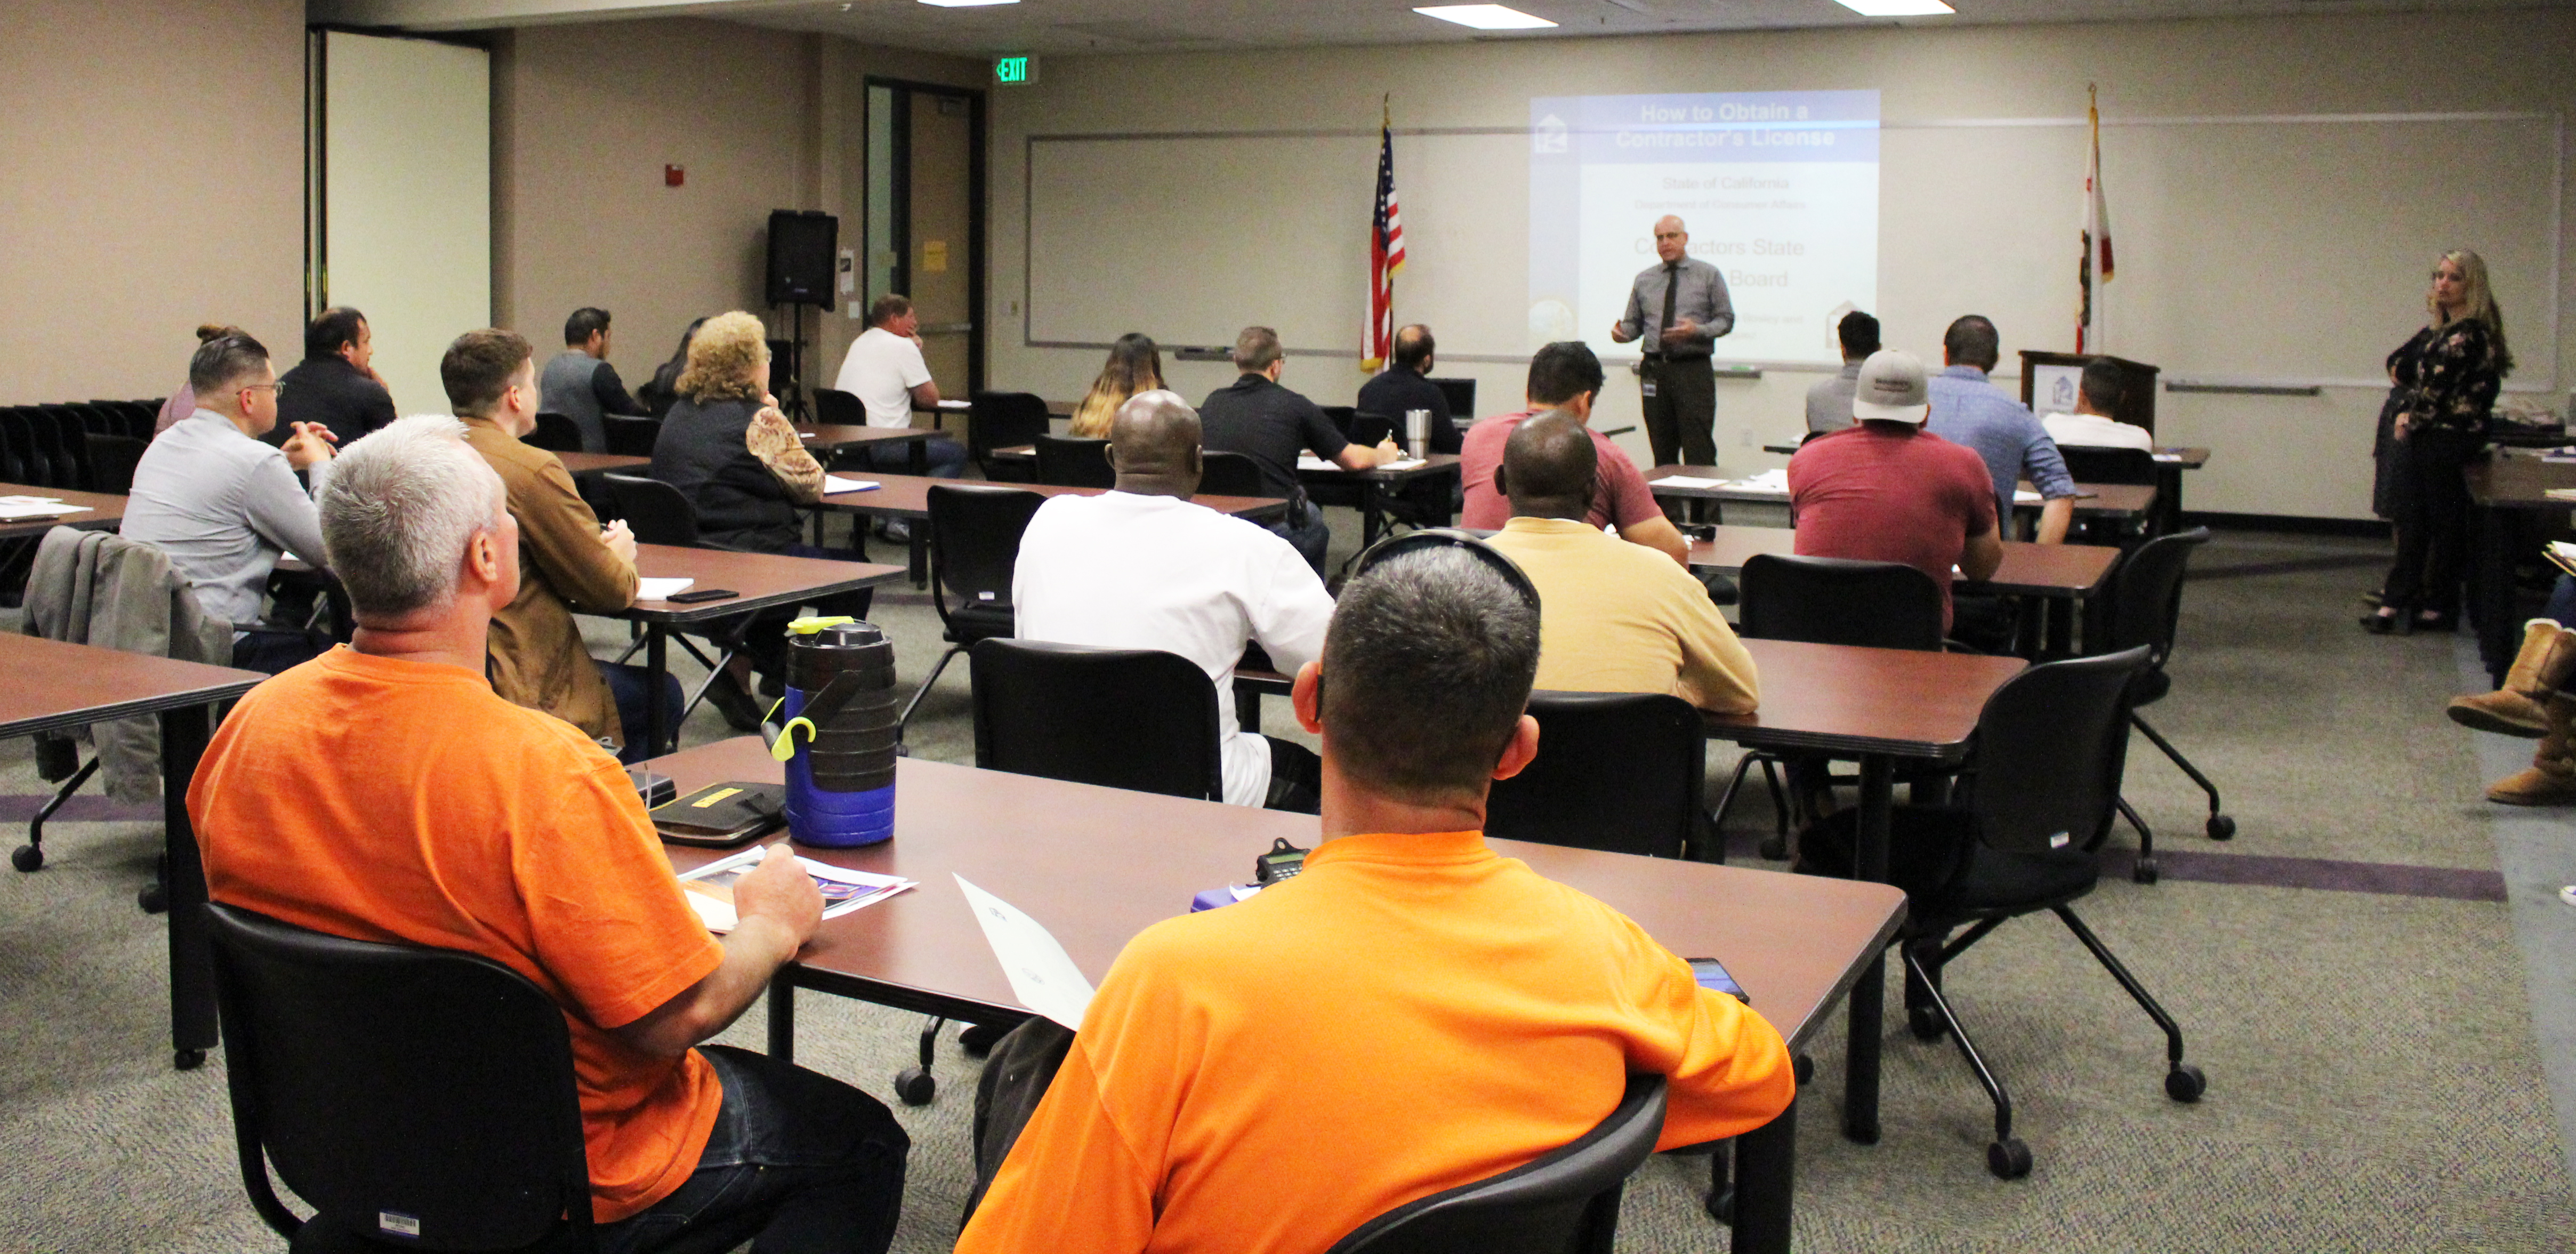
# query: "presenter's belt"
1663 356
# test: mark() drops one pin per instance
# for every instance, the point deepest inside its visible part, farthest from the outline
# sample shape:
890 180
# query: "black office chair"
1229 474
1825 600
416 1098
629 435
2088 464
996 420
17 449
2141 607
661 514
48 465
2034 807
1563 1202
112 460
1616 771
834 406
974 546
1340 416
555 433
1462 398
1049 710
71 437
1072 462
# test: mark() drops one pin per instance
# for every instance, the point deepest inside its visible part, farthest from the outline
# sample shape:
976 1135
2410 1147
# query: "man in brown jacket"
569 563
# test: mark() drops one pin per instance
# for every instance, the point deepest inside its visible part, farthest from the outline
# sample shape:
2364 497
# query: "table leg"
1766 1161
192 958
2490 592
657 712
2168 514
782 1018
1869 862
1247 707
2061 625
1369 517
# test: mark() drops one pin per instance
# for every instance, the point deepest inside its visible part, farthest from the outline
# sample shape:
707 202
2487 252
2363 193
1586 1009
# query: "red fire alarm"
673 176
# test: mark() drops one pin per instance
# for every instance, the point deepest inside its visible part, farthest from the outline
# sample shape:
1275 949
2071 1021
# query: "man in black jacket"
334 385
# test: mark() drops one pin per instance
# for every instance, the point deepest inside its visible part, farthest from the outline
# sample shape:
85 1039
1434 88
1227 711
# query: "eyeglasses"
278 388
1449 538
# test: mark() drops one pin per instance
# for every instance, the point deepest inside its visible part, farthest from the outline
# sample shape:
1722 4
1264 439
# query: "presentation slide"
1779 190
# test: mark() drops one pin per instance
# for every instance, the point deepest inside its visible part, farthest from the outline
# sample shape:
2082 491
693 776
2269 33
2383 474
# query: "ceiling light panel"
1897 8
1485 16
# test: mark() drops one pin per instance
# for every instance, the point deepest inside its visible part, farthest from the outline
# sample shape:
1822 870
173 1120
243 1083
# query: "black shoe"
741 711
2387 621
2437 622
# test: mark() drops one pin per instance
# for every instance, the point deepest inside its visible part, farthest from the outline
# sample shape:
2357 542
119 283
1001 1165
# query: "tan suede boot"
2550 780
2548 657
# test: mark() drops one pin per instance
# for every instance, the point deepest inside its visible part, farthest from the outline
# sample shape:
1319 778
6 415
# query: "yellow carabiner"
784 748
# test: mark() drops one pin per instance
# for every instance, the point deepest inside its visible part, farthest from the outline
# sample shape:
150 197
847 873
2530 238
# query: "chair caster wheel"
2146 872
2221 827
1775 848
1925 1025
1721 1206
188 1059
915 1086
2185 1083
2008 1158
1802 1067
27 858
152 898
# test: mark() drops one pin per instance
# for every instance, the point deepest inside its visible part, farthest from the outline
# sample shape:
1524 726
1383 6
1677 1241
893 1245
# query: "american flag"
2096 266
1386 255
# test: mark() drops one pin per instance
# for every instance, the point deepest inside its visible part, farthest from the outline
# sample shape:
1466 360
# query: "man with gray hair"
1412 1011
384 792
1272 425
225 506
1679 307
1143 567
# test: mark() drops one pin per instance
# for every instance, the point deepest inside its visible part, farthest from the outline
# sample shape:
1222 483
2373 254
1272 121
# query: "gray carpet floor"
2376 1079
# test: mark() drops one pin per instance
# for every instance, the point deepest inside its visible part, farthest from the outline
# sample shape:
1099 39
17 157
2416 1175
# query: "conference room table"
1096 865
89 511
2057 576
56 687
1878 707
579 464
1375 485
2509 503
2122 502
829 439
759 581
908 497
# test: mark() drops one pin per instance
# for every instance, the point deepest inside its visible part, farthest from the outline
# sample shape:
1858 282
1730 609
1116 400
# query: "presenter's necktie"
1672 289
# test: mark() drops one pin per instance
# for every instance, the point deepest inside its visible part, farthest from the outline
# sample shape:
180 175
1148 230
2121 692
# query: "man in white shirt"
885 371
2090 426
1142 567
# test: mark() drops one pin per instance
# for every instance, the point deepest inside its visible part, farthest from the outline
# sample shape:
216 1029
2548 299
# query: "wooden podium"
2048 382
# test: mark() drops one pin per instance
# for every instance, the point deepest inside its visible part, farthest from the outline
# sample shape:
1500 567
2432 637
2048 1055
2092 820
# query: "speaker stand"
794 404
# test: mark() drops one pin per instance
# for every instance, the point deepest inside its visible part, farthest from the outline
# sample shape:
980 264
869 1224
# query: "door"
925 219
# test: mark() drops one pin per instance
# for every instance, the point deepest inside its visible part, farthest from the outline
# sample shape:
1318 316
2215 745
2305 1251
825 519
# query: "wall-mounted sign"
1015 71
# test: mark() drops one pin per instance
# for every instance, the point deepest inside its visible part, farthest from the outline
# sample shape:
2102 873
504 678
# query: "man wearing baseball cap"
1887 490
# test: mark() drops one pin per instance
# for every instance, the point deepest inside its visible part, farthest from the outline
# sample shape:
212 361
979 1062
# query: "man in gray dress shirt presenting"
1679 305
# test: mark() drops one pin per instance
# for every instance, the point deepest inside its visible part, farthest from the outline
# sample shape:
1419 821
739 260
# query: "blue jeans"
631 688
947 458
821 1160
1309 539
2562 602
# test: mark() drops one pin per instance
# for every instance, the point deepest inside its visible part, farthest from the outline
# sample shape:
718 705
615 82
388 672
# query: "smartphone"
1712 974
694 596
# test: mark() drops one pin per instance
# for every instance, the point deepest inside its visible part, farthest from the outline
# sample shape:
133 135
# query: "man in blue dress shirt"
1966 409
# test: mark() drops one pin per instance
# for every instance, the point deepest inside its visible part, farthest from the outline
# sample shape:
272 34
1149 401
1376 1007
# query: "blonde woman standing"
2447 377
1135 365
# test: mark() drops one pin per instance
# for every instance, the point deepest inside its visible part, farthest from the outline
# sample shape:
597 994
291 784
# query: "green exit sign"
1015 71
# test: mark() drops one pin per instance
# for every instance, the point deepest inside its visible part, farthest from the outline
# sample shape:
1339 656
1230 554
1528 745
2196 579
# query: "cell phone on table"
1712 974
701 594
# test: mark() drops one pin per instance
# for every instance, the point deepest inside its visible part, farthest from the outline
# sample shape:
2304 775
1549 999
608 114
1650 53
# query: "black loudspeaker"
800 256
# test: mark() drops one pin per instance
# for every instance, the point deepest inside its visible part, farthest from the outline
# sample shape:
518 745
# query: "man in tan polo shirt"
570 563
1613 616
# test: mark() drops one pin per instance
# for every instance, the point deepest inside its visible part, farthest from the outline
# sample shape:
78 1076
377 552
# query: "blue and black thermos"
841 732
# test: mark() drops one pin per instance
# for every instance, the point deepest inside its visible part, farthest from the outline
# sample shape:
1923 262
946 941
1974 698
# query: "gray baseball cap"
1892 388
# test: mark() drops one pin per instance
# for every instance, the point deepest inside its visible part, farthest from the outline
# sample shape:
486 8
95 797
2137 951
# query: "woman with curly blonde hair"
1135 365
726 447
2446 381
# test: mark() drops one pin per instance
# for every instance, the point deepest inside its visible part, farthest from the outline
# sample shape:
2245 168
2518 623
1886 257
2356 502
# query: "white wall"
2180 203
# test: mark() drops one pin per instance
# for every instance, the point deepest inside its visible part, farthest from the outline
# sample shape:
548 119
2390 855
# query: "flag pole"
2093 188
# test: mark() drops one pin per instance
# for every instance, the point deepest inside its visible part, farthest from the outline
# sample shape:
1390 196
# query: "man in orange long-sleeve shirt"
1411 1013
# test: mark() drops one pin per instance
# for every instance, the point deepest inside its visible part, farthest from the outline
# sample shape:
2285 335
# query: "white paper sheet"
835 483
1042 975
36 507
1306 461
660 589
2024 496
843 889
1686 481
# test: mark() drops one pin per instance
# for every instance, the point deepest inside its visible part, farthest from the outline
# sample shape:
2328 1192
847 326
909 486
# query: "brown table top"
2498 482
1098 865
1432 464
826 435
1847 700
2186 458
53 685
2094 500
763 579
106 510
2043 570
908 496
592 463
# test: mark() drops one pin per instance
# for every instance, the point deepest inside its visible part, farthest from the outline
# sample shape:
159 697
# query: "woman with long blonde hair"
2446 379
1135 365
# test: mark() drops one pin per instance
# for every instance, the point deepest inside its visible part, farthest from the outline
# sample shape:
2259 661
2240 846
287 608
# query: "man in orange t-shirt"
383 792
1410 1013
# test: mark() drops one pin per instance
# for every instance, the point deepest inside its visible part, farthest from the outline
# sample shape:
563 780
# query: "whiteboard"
2280 249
